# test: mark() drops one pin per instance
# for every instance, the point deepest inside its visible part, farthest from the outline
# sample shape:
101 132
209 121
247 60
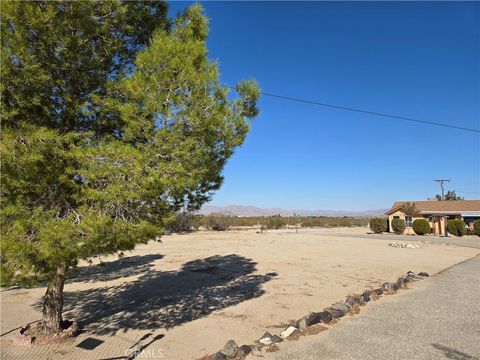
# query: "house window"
408 221
396 217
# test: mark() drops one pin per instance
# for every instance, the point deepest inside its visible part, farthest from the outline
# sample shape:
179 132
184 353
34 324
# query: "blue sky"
411 59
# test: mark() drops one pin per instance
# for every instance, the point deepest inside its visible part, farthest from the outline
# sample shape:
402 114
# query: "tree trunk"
53 302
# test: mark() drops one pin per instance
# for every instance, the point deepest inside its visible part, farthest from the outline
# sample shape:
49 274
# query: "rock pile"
402 245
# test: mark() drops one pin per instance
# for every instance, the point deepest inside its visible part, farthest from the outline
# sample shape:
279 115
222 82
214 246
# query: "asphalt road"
439 318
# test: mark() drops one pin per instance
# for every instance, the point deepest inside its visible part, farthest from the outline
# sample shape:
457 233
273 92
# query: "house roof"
435 206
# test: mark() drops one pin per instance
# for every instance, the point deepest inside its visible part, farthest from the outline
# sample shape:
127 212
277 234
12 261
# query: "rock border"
331 314
27 340
403 245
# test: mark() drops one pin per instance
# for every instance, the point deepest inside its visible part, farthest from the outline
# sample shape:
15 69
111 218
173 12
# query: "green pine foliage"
113 120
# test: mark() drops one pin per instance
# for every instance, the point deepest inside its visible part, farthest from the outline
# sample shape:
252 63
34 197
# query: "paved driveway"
438 319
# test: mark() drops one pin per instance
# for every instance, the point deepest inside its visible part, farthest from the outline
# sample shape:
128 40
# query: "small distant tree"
398 226
410 209
450 195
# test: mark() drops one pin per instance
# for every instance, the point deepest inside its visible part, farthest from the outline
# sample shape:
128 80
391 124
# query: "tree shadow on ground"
167 299
121 268
454 354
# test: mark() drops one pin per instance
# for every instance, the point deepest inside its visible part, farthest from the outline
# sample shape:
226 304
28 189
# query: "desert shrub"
308 222
276 222
379 225
469 231
282 221
183 222
476 227
327 221
421 227
218 222
456 227
398 226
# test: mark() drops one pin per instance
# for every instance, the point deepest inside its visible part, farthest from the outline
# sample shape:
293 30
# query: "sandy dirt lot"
186 296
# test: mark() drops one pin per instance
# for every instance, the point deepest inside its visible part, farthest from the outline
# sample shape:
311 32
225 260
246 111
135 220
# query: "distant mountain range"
245 210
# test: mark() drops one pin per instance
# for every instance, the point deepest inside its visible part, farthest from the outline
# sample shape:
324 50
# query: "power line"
468 192
312 102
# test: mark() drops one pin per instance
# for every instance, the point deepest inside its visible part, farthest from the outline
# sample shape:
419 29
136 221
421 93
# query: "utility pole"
441 181
445 218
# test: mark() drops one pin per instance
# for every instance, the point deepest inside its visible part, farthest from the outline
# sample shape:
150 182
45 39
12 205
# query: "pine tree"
113 119
450 195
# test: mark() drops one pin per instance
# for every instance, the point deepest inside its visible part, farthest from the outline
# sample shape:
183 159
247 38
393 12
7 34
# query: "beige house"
436 212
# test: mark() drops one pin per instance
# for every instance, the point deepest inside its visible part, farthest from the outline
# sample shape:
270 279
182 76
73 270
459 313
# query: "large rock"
269 339
291 330
276 339
219 356
325 316
244 350
359 299
230 348
412 276
353 300
342 307
366 295
388 287
302 324
350 300
336 313
402 280
378 292
308 321
266 339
